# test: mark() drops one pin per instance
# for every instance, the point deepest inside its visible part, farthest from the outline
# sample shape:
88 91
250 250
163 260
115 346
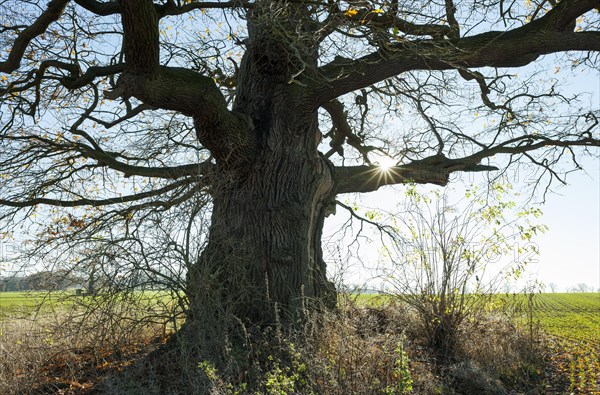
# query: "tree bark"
263 264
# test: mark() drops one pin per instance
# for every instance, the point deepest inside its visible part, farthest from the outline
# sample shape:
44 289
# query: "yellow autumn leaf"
351 12
4 78
378 11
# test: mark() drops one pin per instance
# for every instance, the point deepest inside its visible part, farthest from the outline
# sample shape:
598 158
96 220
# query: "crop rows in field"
574 321
571 316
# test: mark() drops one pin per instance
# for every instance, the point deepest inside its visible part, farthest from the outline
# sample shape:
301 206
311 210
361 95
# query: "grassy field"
16 303
15 299
572 316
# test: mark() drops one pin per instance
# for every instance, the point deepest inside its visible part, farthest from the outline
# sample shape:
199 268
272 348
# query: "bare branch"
169 8
343 133
100 8
179 89
451 16
513 48
436 169
97 202
388 20
433 170
54 11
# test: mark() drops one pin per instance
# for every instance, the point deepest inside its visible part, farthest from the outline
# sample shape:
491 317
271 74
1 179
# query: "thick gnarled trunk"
263 263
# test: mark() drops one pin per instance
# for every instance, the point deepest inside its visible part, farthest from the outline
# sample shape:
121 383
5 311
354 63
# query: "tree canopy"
82 75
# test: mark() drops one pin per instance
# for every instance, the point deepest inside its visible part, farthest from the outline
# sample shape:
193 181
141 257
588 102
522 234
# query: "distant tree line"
579 288
41 281
90 281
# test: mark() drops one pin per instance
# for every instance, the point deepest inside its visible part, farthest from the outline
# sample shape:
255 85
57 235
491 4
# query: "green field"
19 302
572 316
573 322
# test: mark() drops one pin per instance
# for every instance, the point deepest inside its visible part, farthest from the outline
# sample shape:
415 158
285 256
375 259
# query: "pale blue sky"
570 249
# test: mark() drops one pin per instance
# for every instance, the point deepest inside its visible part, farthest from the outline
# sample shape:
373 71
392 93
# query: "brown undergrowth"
357 350
48 355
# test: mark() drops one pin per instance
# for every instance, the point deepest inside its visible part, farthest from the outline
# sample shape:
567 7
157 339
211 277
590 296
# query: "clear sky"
570 249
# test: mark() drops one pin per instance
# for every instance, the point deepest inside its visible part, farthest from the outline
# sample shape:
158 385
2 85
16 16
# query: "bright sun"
386 163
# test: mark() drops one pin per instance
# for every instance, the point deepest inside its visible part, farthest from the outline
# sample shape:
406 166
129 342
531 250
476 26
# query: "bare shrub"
447 260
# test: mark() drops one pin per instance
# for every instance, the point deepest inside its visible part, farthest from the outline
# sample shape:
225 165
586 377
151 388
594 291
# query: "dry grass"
54 353
358 350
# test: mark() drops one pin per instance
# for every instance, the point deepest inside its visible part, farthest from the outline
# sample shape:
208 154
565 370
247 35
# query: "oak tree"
123 122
